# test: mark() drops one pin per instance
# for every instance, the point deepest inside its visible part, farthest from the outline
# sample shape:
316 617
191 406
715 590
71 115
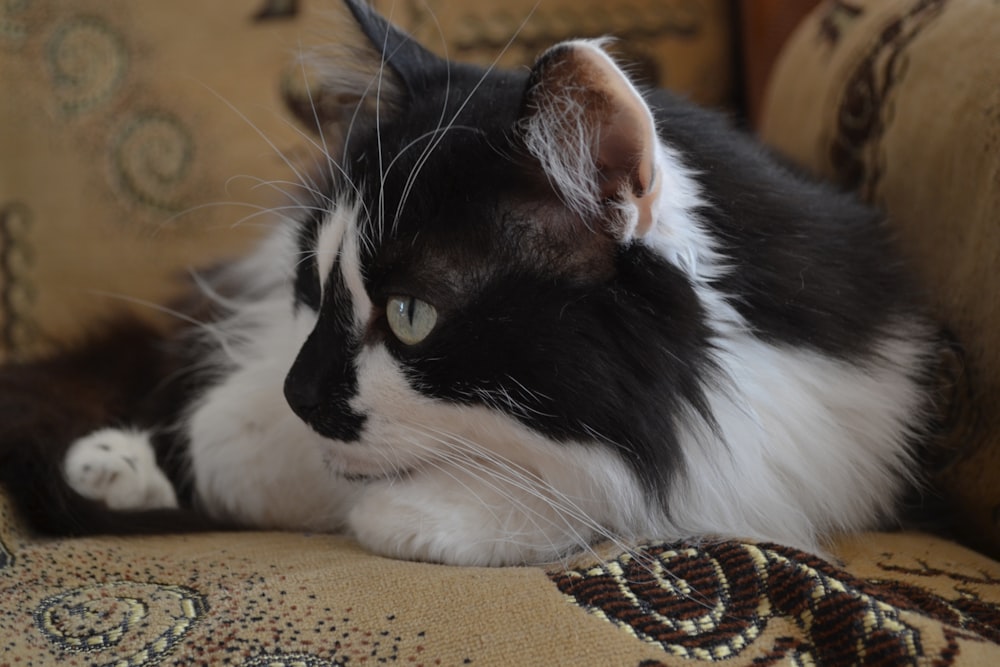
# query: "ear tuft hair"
591 131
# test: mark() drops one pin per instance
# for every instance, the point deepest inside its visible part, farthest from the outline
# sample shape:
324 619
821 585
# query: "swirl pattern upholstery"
146 137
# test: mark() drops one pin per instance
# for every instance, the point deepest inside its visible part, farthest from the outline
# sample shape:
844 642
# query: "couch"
139 138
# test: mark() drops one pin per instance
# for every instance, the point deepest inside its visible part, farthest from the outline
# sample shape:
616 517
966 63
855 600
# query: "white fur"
559 124
808 446
331 236
118 468
254 460
470 485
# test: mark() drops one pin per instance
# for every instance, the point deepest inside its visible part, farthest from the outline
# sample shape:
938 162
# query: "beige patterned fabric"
268 599
137 139
126 131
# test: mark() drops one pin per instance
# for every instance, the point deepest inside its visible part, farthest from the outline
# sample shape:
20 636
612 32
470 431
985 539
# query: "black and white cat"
527 311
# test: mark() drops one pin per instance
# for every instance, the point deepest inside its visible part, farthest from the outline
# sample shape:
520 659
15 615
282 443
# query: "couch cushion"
275 598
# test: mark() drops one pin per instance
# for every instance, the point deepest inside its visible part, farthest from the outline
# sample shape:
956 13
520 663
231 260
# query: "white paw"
445 517
118 467
389 523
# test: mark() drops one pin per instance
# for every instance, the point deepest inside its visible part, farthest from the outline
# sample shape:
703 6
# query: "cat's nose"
328 415
302 398
320 385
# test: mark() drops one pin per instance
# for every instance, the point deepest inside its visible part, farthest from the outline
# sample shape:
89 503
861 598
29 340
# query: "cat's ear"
409 62
373 67
593 134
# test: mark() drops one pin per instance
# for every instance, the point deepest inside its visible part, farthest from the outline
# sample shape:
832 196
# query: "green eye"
410 319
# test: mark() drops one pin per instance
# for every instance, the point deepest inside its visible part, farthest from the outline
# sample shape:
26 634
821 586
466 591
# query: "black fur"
813 267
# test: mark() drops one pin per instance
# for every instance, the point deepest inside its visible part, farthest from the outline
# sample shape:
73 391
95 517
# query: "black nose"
321 383
327 413
302 396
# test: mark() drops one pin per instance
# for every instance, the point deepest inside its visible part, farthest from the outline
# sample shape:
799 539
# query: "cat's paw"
443 518
118 468
387 523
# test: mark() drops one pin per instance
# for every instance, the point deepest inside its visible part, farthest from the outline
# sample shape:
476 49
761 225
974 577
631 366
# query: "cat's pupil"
410 319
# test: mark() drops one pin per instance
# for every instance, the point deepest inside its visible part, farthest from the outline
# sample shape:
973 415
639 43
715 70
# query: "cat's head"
488 271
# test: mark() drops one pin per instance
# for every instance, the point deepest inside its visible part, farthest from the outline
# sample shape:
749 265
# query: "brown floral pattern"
864 105
713 602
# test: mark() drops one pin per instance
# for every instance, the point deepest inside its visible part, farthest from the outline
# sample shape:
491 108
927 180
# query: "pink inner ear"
623 136
627 140
625 150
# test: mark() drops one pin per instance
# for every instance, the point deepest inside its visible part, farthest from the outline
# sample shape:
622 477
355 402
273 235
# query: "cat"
522 312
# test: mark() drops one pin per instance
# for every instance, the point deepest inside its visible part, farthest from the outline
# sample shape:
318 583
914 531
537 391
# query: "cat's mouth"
368 478
359 470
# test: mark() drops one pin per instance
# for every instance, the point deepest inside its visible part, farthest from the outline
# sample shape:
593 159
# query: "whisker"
208 290
489 70
206 327
530 514
378 124
425 135
276 183
262 210
304 178
440 122
520 478
304 256
265 211
462 451
333 165
323 147
208 205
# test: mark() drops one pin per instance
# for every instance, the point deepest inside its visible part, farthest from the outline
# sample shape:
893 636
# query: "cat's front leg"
462 516
118 468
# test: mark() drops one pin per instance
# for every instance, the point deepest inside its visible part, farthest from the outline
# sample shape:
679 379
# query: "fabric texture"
143 138
257 599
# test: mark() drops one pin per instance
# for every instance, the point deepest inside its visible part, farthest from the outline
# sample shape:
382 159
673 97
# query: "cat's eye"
410 319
